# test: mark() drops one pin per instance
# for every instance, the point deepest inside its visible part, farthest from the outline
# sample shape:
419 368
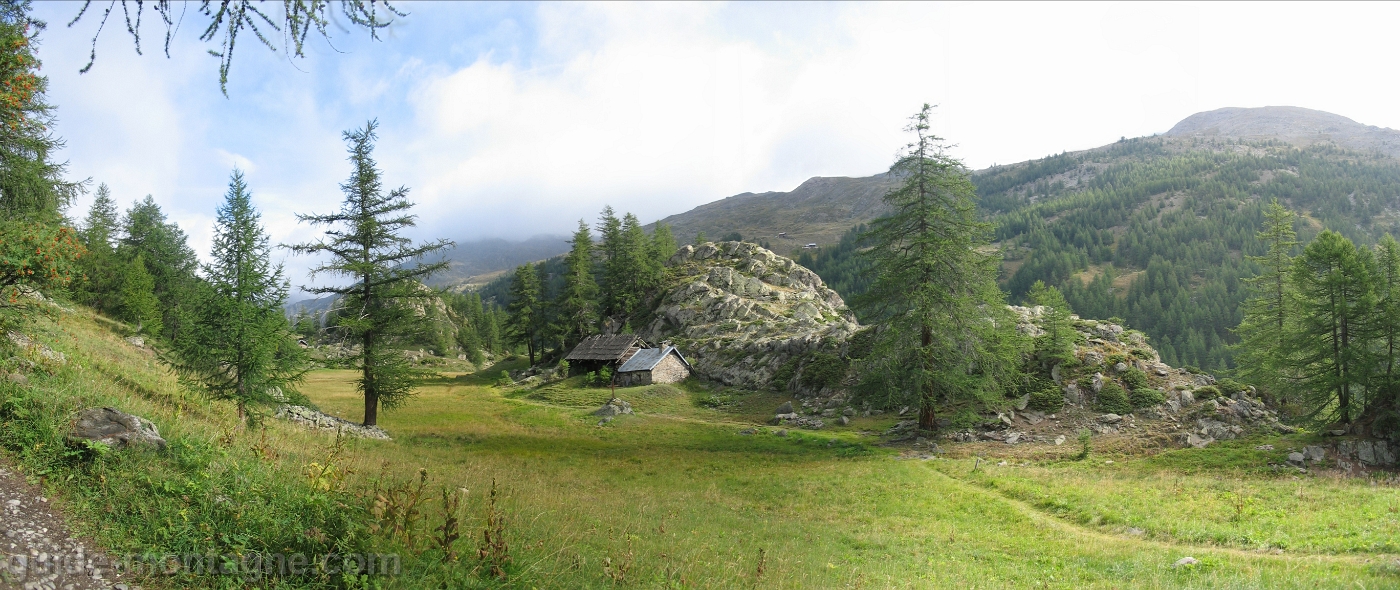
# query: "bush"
504 380
1146 397
1116 358
1205 393
1134 379
1113 400
1142 353
823 370
1228 386
965 418
1047 399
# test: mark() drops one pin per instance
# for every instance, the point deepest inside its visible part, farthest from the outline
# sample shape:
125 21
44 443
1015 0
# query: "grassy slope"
675 496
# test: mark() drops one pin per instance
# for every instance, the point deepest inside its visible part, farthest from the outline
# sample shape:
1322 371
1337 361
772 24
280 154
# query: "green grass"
676 496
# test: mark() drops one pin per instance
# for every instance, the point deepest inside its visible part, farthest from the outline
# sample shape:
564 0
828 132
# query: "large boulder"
116 429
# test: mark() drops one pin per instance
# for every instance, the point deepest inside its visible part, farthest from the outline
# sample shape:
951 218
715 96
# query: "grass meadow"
676 496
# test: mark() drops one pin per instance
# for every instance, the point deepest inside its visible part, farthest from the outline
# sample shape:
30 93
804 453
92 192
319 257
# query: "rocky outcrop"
739 312
315 420
116 429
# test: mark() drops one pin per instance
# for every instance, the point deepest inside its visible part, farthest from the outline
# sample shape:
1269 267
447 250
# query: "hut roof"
647 358
603 347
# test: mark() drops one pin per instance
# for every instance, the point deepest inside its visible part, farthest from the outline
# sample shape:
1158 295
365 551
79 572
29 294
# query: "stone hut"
653 365
603 350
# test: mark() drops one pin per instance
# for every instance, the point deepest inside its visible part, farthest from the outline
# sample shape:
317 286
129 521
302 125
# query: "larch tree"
526 311
239 346
100 267
577 303
1056 344
944 333
136 301
169 259
1266 311
1386 330
364 242
612 243
663 244
1332 300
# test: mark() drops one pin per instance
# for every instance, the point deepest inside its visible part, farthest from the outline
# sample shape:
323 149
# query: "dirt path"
37 551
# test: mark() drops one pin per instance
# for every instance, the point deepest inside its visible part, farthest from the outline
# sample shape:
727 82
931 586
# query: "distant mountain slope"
1293 125
818 211
1157 230
471 260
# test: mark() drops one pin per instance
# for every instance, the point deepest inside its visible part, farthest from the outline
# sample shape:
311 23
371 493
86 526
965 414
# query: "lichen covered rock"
739 312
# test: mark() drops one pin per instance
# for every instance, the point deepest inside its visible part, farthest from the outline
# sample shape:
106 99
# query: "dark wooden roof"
603 347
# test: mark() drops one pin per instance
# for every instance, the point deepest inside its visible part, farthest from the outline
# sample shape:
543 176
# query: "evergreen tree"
1332 299
137 301
526 312
612 241
169 260
1056 345
700 238
946 333
365 243
663 244
100 276
1265 312
1387 331
238 346
578 302
32 187
638 271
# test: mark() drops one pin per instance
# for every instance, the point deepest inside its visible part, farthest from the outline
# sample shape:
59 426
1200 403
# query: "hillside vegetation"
679 495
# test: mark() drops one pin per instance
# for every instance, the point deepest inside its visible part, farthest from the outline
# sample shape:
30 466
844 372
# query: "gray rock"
1093 358
747 432
614 407
136 341
780 433
1072 393
1110 418
786 408
1055 374
1196 441
1033 417
1186 397
1013 438
18 379
116 429
1059 440
844 421
849 411
1314 453
1296 459
828 413
1023 401
1186 562
1120 367
1097 382
317 420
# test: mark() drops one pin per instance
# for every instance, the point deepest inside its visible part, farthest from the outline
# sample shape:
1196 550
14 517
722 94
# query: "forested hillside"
1156 231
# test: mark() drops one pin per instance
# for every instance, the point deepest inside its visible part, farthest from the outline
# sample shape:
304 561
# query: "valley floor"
693 491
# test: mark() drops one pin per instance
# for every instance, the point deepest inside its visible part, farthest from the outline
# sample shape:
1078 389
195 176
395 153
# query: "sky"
517 119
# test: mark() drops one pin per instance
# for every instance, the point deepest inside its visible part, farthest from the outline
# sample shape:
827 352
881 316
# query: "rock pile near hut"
740 312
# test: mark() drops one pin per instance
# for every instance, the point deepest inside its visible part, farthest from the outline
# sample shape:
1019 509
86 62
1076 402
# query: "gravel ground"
37 551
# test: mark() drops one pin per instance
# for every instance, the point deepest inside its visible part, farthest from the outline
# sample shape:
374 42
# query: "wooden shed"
653 365
604 350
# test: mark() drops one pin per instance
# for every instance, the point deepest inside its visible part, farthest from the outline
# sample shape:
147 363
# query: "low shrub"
1146 397
823 370
1134 379
1113 400
1047 399
965 418
1115 358
1142 353
504 380
1228 386
1205 393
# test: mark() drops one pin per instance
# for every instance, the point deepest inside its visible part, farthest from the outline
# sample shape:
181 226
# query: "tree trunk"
371 390
927 419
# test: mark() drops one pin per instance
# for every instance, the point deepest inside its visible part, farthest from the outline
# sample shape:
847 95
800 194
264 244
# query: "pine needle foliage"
239 346
944 333
526 320
1327 347
578 302
1266 311
365 243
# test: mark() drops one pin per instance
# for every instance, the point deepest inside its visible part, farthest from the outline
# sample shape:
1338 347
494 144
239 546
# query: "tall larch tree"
1386 330
1332 300
577 303
944 331
1266 310
365 243
526 309
238 345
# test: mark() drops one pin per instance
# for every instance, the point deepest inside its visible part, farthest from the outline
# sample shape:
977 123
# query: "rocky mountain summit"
1294 125
740 313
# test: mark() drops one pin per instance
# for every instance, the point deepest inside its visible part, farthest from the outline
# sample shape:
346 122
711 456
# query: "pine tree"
578 302
945 331
100 266
612 242
663 244
238 346
365 244
32 187
1266 311
1332 298
1056 345
137 300
169 260
1387 330
526 312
